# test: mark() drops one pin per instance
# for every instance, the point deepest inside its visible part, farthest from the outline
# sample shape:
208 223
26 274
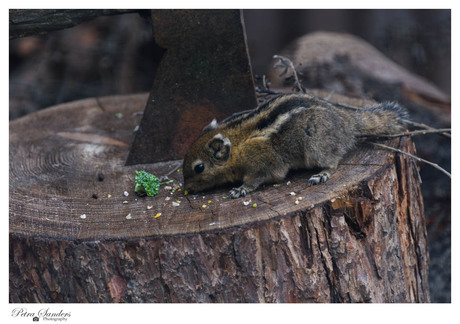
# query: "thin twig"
414 167
420 125
412 133
267 91
339 104
329 96
264 82
287 63
434 165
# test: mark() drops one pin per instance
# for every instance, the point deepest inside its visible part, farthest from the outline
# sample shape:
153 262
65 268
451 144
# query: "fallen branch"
434 165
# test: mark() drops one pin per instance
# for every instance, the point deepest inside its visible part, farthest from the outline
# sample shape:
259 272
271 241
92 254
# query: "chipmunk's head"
205 162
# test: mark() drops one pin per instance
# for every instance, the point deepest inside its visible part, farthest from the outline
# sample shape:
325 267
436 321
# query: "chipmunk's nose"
187 187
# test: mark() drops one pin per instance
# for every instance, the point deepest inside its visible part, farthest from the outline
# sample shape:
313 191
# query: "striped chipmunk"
287 132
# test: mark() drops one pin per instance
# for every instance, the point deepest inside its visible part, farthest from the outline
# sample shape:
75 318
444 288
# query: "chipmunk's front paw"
238 192
318 178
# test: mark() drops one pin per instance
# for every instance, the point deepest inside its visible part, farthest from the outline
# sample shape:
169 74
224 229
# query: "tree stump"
76 237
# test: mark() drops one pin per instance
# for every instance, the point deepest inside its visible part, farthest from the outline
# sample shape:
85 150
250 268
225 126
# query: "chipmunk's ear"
213 125
219 147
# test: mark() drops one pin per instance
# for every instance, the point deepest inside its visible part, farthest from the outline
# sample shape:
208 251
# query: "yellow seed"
157 215
255 205
209 201
186 192
204 206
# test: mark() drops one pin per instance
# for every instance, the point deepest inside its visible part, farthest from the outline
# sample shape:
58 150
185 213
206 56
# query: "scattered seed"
204 206
149 207
175 204
254 205
167 198
186 192
157 215
83 216
126 193
246 202
109 195
128 216
292 193
125 202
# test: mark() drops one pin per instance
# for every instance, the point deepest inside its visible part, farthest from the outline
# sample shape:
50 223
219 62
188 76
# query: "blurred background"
117 55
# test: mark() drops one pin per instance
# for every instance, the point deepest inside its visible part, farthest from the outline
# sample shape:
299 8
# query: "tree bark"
76 237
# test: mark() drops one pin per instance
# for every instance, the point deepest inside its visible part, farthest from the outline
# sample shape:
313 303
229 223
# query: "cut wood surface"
76 237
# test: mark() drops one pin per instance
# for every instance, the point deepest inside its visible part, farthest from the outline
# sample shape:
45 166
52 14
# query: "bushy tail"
384 119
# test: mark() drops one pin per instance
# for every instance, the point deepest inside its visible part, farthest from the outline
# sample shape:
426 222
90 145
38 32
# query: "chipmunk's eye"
199 168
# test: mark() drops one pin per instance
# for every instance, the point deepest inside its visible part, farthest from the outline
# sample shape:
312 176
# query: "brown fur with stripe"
287 132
